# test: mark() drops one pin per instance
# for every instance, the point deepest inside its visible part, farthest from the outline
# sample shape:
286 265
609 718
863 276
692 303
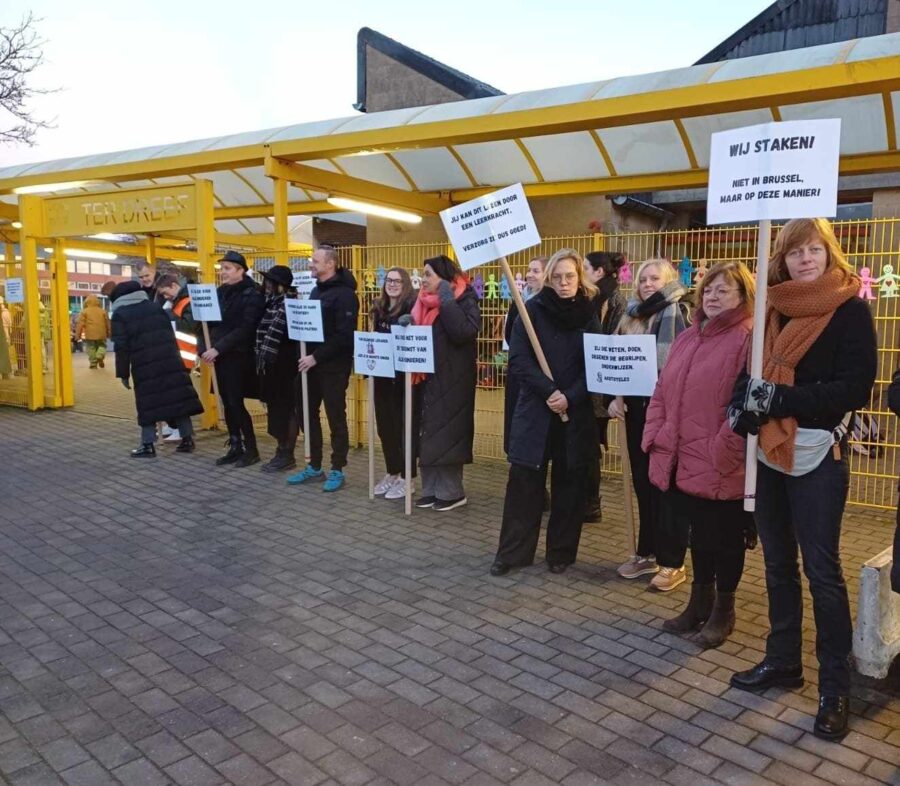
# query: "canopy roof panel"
644 132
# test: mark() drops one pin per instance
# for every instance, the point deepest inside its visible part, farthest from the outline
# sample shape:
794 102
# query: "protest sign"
204 302
304 320
304 283
15 290
413 349
492 226
774 171
373 354
620 365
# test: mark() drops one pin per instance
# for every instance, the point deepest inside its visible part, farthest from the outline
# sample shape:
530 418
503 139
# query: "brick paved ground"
173 622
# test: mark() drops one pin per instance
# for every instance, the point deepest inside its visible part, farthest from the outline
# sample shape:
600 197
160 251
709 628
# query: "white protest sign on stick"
304 283
413 349
771 171
205 309
15 290
620 365
373 356
304 320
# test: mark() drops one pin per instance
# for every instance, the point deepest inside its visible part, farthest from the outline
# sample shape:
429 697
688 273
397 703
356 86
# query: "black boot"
695 613
767 675
186 445
235 451
831 720
284 459
146 450
720 624
250 456
592 512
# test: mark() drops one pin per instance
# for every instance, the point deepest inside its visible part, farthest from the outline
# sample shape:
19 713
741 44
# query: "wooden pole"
627 486
407 437
370 417
304 387
756 351
529 328
215 379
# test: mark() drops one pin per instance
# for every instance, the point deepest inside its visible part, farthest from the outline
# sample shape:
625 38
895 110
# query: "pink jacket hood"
687 433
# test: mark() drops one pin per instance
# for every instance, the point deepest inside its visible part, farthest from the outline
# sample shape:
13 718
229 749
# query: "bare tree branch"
21 54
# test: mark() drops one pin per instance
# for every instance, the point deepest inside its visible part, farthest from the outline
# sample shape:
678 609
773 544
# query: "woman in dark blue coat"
561 314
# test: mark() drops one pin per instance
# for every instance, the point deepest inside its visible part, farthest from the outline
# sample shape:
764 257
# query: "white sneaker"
397 490
173 436
386 482
166 430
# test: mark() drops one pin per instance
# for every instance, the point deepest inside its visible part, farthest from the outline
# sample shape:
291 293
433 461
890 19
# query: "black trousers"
649 497
523 506
389 411
231 375
806 512
328 386
592 499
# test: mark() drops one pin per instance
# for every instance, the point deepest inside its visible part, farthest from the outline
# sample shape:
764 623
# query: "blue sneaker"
334 480
310 473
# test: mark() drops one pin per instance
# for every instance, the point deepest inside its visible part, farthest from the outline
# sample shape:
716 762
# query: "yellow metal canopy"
637 133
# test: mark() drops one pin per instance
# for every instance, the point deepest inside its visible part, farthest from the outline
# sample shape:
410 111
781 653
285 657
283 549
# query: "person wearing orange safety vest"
178 304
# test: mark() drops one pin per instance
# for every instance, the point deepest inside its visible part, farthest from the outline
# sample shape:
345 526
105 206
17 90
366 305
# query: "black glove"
126 384
743 423
757 395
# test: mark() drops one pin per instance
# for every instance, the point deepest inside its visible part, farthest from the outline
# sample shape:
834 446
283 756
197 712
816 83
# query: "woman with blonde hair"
657 308
696 460
819 362
561 313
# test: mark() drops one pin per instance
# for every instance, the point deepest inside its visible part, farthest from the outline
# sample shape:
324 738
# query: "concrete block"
876 640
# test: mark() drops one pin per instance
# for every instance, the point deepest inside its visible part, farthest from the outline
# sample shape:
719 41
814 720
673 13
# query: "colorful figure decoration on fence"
625 274
700 273
478 286
379 277
520 283
888 281
505 294
415 278
866 281
684 271
492 288
369 279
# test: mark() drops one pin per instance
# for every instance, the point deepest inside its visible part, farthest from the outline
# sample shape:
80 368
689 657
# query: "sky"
130 75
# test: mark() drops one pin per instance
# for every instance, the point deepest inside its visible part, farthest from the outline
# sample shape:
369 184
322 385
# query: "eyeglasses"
719 292
568 278
393 281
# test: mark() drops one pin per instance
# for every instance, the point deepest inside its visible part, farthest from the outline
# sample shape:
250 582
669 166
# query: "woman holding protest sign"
397 299
696 460
819 365
276 368
657 309
602 270
562 312
448 304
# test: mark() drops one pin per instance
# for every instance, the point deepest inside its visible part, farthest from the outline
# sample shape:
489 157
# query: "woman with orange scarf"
447 430
819 364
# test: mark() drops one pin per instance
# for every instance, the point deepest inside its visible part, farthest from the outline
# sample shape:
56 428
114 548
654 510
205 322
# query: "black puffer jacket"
564 350
340 309
448 395
146 351
242 307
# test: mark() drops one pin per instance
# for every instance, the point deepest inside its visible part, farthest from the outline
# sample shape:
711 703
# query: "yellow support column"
281 221
150 250
62 345
206 249
31 215
597 242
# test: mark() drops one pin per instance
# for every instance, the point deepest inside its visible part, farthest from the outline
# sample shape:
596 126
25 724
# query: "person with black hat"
276 368
232 339
147 353
328 367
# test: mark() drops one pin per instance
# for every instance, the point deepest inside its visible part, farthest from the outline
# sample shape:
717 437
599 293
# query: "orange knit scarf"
810 306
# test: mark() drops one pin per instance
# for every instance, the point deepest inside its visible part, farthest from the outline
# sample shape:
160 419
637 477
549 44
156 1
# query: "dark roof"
793 24
460 83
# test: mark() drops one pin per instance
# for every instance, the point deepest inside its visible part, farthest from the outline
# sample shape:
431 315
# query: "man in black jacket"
328 365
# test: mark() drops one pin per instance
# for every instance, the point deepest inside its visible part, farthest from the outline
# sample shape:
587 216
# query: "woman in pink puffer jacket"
695 457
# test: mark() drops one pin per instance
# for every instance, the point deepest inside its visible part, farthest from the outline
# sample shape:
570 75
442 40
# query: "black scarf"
669 294
607 287
569 313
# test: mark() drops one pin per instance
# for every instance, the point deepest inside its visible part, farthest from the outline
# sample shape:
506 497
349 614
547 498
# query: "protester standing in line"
147 353
276 368
819 364
146 275
894 404
449 305
177 303
241 304
93 325
696 460
397 299
562 312
328 365
602 270
656 309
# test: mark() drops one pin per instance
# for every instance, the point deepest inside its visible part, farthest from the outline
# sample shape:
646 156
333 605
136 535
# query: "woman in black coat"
146 351
894 404
276 368
242 306
450 306
561 314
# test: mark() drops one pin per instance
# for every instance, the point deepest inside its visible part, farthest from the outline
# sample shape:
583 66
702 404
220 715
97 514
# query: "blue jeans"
807 511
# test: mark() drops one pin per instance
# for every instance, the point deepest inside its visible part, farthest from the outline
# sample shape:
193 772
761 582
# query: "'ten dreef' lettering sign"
166 208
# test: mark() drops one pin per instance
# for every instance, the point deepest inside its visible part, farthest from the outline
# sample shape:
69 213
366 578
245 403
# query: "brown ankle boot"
720 623
696 611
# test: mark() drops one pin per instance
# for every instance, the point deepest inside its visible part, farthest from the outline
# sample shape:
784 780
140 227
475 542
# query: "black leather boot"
186 445
720 624
250 456
831 720
766 675
146 450
235 451
696 612
284 459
